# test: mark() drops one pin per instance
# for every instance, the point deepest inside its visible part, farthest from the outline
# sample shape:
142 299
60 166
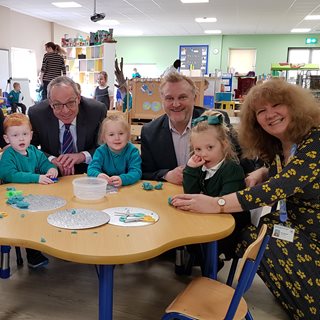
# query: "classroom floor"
65 290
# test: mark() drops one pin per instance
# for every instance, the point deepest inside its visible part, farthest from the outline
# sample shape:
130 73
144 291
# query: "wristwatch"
221 203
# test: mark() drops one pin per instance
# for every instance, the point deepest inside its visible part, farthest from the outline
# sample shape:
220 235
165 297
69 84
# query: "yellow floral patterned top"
298 183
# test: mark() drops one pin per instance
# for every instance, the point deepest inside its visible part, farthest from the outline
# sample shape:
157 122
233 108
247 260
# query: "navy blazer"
157 149
45 128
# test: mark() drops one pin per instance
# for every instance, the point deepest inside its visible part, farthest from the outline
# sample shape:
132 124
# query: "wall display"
146 100
194 57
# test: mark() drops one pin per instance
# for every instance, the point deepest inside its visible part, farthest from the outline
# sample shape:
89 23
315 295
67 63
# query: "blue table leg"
211 268
5 262
105 292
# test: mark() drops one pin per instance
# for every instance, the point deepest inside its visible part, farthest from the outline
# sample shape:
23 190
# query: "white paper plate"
78 218
42 203
118 212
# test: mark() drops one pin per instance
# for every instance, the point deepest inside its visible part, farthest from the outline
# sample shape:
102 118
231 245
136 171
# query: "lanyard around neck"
282 202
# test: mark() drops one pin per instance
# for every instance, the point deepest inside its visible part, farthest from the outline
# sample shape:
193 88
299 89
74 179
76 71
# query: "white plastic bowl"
89 188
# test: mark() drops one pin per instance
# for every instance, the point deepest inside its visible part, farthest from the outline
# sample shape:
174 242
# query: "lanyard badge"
280 231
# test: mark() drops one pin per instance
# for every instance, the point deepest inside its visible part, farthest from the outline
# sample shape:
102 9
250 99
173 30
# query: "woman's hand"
195 161
196 202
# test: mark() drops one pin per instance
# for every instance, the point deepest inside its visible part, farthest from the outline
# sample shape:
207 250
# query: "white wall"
22 31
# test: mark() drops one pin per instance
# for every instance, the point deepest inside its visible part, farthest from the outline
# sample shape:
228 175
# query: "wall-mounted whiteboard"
4 69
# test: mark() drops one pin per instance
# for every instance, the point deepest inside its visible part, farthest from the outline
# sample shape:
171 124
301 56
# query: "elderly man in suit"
67 113
66 128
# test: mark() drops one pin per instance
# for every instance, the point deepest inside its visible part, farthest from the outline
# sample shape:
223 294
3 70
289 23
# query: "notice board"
194 57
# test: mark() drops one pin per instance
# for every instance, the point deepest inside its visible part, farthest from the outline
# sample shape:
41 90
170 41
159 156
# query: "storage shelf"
85 63
292 66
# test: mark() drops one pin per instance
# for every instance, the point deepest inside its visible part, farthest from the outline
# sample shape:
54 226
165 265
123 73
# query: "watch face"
221 202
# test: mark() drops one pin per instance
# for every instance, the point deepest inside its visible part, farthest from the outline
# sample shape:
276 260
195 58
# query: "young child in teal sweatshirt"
118 161
22 162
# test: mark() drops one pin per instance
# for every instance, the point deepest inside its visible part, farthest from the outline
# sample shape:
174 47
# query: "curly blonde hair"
304 110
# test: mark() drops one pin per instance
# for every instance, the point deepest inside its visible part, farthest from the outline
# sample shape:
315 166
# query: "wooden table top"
109 244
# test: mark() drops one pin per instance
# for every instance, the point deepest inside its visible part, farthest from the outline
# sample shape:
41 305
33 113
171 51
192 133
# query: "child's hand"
115 181
103 176
52 173
43 179
195 161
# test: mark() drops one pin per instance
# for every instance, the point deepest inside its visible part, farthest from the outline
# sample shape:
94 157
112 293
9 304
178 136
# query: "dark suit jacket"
45 128
157 149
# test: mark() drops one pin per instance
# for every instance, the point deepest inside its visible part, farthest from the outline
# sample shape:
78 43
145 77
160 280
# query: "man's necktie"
67 142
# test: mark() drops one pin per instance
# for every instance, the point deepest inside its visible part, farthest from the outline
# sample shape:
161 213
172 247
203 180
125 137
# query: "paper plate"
42 203
117 216
78 219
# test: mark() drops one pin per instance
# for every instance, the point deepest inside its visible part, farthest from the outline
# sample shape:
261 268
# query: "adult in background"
280 123
52 66
173 68
66 126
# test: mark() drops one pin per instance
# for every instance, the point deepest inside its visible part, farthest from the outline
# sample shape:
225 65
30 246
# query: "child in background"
102 92
15 97
135 73
117 160
22 162
214 169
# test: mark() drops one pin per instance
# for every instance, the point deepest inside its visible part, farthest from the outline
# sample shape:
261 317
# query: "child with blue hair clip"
214 169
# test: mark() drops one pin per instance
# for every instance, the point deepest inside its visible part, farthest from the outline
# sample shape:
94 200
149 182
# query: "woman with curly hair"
280 123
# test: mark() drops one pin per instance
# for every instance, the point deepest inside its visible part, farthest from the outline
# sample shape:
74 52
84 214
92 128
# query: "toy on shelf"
95 38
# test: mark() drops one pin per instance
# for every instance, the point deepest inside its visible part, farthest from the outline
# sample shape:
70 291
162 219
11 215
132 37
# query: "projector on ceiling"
97 17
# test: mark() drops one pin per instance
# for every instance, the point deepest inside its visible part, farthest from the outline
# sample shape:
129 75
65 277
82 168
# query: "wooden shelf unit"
85 63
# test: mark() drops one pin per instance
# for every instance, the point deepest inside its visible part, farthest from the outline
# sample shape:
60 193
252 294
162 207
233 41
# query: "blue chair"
209 299
7 102
5 260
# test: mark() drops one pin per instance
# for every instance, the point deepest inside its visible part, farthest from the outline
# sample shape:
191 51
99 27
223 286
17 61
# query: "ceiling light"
128 33
71 4
108 22
205 19
212 31
194 1
301 30
312 17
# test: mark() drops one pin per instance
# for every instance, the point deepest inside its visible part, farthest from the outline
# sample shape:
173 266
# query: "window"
302 55
242 60
24 67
